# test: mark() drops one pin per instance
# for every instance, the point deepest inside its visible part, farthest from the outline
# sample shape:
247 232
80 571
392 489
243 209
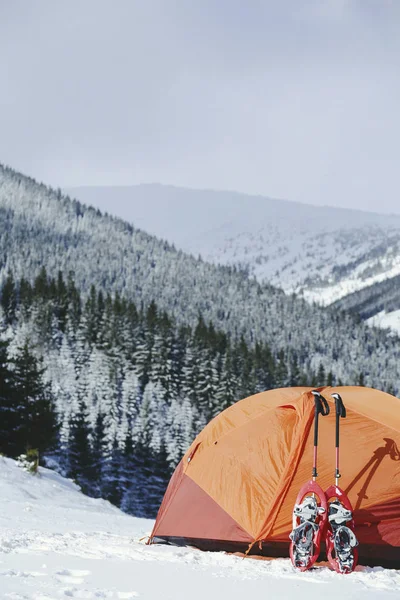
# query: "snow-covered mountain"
378 304
386 320
41 227
57 543
322 252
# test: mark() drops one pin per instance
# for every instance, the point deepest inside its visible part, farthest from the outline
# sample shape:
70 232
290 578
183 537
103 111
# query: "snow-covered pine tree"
80 456
132 395
9 298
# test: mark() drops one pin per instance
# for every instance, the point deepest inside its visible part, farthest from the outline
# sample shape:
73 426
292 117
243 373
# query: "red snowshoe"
341 541
310 511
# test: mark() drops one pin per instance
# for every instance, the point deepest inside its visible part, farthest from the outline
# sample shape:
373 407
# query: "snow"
385 320
355 282
57 543
323 252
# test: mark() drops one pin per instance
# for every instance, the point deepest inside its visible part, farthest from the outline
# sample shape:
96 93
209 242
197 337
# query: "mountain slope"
132 382
55 542
41 227
379 303
323 252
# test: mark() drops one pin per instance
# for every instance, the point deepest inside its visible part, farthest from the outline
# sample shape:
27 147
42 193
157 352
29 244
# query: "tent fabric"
238 481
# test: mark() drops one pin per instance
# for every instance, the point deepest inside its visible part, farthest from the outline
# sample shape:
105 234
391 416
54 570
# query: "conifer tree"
37 423
9 298
390 390
25 295
61 305
227 391
81 464
282 376
75 303
112 487
243 367
294 377
321 375
8 415
98 449
133 386
41 288
207 384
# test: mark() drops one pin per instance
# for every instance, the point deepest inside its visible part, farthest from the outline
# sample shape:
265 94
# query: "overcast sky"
295 99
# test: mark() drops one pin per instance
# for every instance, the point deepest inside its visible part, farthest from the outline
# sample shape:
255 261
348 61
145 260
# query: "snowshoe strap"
340 514
297 530
345 540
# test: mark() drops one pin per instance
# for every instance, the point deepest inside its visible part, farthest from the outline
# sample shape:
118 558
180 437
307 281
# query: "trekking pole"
340 413
321 407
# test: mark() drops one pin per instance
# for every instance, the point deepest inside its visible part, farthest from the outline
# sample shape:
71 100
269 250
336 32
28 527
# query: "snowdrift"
57 543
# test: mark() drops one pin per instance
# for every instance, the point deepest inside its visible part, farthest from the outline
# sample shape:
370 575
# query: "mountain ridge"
322 252
42 227
72 190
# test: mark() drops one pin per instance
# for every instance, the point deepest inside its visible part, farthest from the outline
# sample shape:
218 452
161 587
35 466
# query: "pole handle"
321 405
340 407
321 408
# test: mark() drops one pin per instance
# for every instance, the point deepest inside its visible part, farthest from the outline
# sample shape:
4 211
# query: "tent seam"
221 507
282 493
289 403
210 447
372 419
170 500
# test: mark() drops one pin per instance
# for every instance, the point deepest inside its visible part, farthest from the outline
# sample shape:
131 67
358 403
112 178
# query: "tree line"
40 226
112 393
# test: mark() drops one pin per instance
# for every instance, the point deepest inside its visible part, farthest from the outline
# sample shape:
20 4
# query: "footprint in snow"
20 574
72 576
79 593
75 593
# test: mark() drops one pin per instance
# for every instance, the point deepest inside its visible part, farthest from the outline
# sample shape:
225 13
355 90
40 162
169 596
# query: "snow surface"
323 252
57 543
385 320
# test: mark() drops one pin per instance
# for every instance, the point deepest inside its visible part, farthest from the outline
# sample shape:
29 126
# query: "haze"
295 99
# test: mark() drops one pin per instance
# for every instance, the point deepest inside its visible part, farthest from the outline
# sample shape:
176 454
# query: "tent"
236 486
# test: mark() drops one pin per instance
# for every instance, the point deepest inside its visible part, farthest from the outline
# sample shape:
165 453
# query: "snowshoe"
309 521
341 541
302 538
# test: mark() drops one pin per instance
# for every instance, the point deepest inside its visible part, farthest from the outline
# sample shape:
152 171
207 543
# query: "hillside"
378 304
55 542
129 387
42 227
322 252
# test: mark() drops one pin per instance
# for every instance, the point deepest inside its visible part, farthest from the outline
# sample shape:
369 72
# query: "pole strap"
340 414
321 408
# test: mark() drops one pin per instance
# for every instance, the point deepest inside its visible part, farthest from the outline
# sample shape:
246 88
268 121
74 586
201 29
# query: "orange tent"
236 486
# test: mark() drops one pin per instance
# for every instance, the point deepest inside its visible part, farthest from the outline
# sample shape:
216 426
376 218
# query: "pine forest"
116 348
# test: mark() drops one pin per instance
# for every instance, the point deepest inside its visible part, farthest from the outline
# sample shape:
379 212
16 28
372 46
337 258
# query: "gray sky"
296 99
